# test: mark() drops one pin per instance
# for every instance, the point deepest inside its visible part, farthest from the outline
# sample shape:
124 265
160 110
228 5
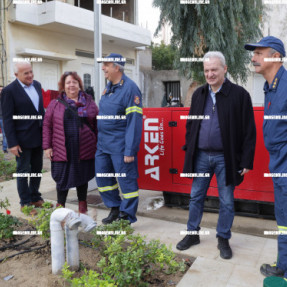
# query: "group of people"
82 140
70 132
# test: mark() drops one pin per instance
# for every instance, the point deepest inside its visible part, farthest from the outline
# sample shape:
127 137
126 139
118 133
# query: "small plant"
4 203
90 278
7 222
121 226
27 209
7 225
41 221
129 259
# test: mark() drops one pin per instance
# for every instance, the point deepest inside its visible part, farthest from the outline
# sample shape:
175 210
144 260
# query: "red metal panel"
169 154
155 150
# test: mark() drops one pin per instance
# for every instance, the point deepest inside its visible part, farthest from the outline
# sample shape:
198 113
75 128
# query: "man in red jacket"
222 144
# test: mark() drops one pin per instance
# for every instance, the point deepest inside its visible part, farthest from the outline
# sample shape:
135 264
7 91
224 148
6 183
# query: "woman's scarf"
80 105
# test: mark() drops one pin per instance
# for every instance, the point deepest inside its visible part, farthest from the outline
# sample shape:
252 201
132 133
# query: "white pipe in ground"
57 250
72 248
87 223
71 220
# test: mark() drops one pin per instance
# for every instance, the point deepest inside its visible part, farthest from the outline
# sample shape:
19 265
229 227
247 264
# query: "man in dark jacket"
222 143
23 113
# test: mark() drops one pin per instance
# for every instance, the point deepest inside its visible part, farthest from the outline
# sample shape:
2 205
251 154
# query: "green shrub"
41 221
90 278
7 222
121 226
7 225
129 259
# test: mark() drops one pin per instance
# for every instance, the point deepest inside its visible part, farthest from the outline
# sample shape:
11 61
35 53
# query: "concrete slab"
207 273
246 276
268 253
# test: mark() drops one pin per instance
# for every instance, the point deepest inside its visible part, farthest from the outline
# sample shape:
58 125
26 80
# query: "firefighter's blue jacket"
275 138
275 121
115 135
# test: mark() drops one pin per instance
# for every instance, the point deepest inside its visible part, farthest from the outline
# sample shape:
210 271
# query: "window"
172 93
85 4
87 81
121 12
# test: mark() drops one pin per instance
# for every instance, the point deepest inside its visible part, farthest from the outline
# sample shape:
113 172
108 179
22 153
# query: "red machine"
161 160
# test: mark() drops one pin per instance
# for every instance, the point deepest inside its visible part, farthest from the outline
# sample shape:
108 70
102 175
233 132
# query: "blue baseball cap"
113 58
268 42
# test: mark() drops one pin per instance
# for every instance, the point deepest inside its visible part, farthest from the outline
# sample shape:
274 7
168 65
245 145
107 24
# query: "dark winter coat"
54 133
237 126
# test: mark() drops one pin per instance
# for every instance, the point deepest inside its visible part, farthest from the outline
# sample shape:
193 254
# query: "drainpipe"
66 218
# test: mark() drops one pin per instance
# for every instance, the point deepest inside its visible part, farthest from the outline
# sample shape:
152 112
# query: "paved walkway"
249 252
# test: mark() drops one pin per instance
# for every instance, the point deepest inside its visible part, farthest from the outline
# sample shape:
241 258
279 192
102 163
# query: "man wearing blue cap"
267 60
119 136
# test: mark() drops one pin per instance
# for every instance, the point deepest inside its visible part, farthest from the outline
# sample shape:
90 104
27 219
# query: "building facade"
58 36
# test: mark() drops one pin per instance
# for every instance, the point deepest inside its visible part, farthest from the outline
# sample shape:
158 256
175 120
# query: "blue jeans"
211 163
4 143
30 161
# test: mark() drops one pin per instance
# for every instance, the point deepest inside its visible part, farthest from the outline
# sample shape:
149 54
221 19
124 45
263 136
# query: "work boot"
83 207
114 213
271 270
223 246
187 242
123 216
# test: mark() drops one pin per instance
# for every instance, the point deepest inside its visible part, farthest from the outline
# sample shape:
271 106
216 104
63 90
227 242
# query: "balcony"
64 18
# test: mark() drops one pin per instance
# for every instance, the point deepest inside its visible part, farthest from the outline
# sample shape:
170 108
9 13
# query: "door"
47 73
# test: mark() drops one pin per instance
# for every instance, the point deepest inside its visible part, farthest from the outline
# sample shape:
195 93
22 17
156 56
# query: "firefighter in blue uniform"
119 136
275 136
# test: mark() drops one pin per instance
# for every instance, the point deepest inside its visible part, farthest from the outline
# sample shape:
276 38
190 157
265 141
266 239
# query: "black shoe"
187 242
5 151
223 246
114 213
124 216
271 270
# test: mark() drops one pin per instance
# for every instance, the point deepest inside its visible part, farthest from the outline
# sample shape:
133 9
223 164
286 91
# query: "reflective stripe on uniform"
282 228
131 194
107 188
134 109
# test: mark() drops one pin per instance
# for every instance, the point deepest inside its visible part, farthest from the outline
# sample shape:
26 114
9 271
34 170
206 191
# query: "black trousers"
82 191
30 161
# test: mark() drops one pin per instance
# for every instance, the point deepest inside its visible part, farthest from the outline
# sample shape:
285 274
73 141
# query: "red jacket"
54 133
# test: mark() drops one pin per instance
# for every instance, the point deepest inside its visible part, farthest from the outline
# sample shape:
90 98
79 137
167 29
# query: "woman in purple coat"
70 138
